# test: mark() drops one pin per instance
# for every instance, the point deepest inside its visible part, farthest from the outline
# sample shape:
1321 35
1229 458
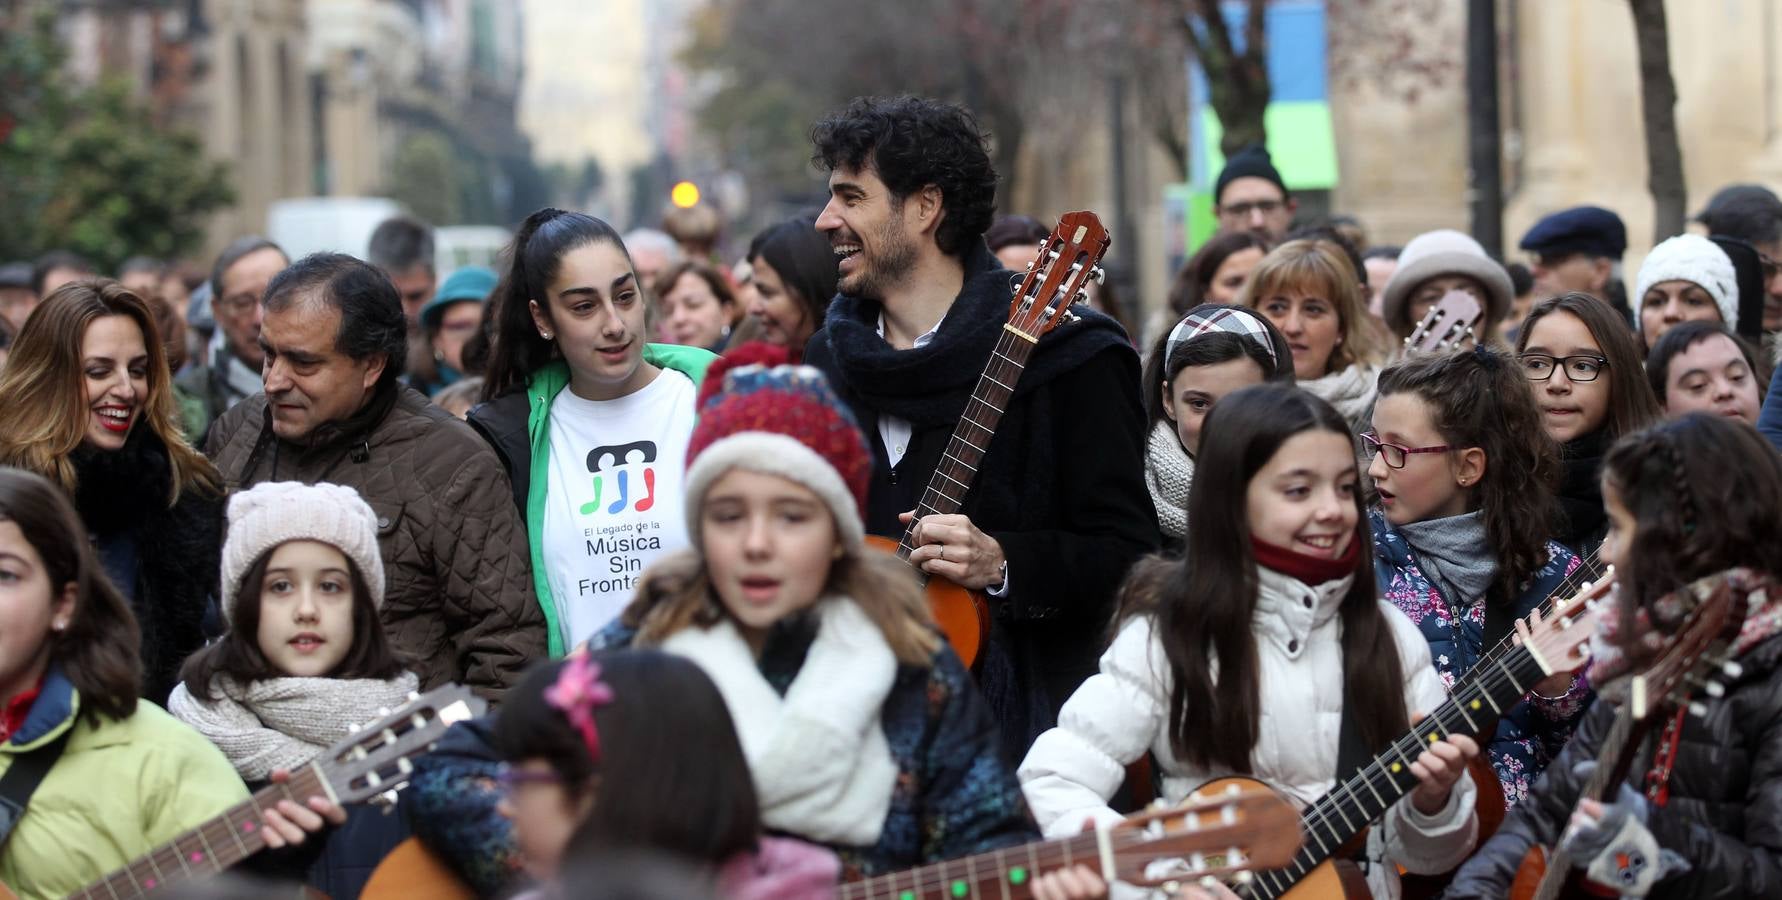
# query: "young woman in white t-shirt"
591 422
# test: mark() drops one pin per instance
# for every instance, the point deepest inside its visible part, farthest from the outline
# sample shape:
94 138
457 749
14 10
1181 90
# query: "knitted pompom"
753 353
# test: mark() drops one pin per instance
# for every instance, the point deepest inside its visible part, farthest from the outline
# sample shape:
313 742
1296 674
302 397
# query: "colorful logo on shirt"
623 471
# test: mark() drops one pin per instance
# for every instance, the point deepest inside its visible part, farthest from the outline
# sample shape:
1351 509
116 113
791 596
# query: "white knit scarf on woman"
1351 391
1169 471
282 723
822 767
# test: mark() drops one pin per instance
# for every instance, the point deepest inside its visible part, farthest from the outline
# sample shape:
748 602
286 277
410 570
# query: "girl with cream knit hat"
305 657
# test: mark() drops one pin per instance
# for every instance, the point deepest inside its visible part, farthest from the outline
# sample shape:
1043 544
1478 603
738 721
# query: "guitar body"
413 872
963 615
1334 879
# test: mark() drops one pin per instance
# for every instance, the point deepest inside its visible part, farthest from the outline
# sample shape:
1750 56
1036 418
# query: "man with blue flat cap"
1578 249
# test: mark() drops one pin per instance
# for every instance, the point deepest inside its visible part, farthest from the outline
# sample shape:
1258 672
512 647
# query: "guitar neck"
1612 760
958 466
1495 684
1005 874
210 848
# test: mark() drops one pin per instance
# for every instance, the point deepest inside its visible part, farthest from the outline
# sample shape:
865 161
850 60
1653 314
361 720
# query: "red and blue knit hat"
760 413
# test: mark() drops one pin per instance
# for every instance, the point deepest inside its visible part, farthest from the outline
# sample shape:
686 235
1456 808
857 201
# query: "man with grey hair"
228 369
652 252
459 599
403 247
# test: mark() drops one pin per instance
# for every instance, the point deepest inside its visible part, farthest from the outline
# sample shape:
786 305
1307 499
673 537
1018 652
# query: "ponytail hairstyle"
100 650
1704 492
1480 398
517 350
659 754
1203 604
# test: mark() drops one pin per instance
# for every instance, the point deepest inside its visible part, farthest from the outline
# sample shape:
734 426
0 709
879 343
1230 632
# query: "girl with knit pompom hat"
305 657
862 729
1687 278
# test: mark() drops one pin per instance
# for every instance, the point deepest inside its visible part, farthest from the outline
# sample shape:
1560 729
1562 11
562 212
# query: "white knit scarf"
822 767
1169 471
1351 391
282 723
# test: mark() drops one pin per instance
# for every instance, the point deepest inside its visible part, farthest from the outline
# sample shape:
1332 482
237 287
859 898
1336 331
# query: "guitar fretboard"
1005 874
971 437
1494 685
210 848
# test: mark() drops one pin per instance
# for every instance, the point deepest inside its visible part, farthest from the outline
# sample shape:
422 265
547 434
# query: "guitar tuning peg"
1714 689
383 711
1732 669
1099 274
354 728
414 695
1698 709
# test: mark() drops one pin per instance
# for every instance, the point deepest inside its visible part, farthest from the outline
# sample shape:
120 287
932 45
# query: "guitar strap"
22 778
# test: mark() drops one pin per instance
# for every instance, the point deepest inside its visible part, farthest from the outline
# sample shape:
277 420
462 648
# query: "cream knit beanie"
275 512
1695 259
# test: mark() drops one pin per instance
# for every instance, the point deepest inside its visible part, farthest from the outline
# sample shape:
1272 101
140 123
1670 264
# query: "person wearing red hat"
862 728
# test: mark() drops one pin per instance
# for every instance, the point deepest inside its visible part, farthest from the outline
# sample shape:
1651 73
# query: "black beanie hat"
1251 162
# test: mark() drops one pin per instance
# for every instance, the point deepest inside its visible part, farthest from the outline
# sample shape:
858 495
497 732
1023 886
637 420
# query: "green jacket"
120 789
527 454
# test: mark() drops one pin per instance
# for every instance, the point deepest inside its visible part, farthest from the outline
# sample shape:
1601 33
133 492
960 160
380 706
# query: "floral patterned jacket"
1531 733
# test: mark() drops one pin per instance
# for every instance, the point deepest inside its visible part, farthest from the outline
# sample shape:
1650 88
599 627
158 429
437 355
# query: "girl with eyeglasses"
1584 364
1463 469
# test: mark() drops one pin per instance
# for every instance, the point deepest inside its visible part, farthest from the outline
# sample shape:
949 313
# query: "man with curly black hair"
1058 510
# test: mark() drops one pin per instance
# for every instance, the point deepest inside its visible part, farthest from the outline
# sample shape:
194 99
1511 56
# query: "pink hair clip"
577 693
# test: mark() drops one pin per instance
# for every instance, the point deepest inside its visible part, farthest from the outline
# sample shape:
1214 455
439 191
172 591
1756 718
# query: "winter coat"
1121 713
1769 420
1531 732
781 869
953 796
459 600
1060 487
121 788
451 806
164 559
518 426
1724 815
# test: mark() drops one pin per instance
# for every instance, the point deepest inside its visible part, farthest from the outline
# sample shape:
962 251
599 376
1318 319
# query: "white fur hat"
275 512
1695 259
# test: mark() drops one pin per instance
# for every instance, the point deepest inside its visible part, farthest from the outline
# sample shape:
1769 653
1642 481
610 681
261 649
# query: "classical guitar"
1699 648
1058 278
1497 682
371 762
1447 326
1212 833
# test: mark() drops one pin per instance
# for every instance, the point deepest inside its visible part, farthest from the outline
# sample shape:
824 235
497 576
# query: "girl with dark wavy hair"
1462 531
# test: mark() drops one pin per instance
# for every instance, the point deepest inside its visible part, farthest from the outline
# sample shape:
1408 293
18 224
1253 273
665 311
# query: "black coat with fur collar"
122 497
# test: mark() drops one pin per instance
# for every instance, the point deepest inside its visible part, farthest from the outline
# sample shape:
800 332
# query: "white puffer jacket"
1119 714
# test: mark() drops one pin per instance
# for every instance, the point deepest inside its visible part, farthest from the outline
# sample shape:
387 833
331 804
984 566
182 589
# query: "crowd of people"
624 493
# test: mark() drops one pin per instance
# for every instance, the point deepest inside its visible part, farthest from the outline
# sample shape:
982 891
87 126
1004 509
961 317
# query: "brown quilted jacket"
459 599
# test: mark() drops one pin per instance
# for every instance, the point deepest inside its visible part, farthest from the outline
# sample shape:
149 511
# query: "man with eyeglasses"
1250 196
229 370
1579 249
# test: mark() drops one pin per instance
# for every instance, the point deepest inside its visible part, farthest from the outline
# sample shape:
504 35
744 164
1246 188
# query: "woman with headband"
1213 351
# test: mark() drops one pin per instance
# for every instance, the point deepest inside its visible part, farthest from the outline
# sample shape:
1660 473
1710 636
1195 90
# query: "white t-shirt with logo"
614 502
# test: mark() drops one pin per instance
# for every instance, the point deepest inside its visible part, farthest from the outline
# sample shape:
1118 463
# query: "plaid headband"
1241 322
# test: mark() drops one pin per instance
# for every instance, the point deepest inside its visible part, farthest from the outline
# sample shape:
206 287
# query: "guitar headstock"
1219 831
1059 275
1561 642
1697 650
1447 325
375 758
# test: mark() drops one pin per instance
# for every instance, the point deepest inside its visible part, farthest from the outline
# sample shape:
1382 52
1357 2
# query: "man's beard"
886 268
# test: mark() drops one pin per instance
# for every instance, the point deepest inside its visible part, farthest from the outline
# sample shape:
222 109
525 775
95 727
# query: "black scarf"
930 385
114 488
1581 490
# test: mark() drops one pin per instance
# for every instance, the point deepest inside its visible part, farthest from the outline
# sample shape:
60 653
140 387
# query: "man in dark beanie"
1250 196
